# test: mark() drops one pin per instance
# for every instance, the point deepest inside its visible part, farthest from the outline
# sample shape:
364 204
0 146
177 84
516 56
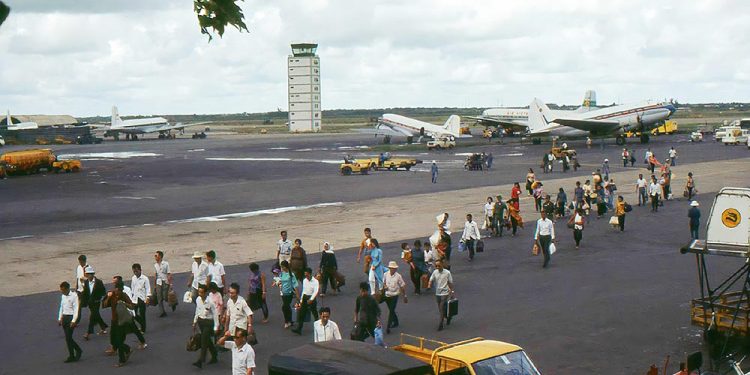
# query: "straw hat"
89 269
694 203
197 254
392 264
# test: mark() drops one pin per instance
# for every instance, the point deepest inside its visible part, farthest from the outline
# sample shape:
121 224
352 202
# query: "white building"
304 88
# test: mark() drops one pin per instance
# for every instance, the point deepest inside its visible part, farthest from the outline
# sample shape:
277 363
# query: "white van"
735 137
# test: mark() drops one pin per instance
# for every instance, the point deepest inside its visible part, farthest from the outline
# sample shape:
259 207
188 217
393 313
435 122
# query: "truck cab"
476 356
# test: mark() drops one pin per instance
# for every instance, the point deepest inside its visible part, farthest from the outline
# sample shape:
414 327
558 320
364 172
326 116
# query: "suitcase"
451 308
480 246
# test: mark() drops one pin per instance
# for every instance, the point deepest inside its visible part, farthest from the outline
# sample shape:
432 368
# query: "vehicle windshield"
514 363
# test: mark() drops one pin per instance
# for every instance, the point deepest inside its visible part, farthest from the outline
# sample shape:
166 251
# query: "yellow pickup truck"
388 162
476 356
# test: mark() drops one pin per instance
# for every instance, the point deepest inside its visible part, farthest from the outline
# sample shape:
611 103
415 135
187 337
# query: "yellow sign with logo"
731 218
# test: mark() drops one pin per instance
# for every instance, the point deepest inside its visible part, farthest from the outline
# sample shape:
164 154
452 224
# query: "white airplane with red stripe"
609 121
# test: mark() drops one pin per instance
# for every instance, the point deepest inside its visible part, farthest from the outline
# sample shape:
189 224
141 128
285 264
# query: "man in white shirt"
470 235
544 235
216 272
325 329
284 252
67 317
141 288
207 320
640 190
654 190
443 281
80 275
239 315
307 300
243 355
672 156
394 285
162 281
199 274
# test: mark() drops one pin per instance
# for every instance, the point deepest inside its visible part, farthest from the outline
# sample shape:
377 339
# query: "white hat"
197 254
433 162
606 160
694 203
392 264
89 269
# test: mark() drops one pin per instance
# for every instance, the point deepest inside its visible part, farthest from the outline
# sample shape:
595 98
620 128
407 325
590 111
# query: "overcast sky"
147 56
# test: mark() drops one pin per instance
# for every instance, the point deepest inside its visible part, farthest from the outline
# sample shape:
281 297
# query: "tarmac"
618 304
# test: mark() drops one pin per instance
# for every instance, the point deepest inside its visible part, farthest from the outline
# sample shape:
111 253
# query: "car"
735 137
88 139
696 137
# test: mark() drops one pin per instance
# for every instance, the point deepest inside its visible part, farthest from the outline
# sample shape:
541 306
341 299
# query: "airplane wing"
513 125
383 128
592 126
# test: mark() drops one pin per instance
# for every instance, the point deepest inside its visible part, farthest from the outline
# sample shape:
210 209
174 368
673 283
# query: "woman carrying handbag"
577 222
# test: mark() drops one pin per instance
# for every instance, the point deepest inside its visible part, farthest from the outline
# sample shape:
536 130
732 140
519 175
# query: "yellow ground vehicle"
559 152
388 162
470 357
33 160
668 127
349 167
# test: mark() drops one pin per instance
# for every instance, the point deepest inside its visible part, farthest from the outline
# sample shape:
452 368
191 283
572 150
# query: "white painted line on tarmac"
239 215
324 161
16 238
197 150
134 198
278 148
107 155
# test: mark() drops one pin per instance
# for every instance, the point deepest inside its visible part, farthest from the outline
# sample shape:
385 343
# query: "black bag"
628 207
152 300
451 307
123 314
194 342
358 332
252 339
480 246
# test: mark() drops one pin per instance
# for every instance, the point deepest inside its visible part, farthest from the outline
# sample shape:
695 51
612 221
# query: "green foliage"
217 14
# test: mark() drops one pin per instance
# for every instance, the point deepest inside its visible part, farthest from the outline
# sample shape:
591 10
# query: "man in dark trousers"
694 213
93 292
544 236
67 317
366 312
307 300
122 321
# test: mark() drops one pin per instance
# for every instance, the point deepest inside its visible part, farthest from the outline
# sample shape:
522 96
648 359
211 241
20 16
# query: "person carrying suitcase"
443 281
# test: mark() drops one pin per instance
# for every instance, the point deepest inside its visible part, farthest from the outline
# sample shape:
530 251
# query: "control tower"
304 88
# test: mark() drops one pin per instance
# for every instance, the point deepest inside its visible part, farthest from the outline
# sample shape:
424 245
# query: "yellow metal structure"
33 160
669 127
67 166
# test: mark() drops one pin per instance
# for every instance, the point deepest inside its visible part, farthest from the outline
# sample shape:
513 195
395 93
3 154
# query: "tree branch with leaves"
217 15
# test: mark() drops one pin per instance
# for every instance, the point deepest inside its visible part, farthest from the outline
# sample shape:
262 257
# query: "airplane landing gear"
409 139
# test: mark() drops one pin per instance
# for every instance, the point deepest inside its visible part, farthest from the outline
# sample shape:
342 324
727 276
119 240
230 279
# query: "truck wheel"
450 147
438 147
346 171
620 140
392 167
364 171
373 167
408 167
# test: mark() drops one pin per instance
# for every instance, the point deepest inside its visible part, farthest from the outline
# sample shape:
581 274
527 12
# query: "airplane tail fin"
589 99
8 122
453 125
116 120
538 117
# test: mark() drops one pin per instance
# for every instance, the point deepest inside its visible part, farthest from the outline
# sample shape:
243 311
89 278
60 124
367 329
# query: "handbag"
685 193
123 314
535 249
461 246
252 339
614 221
628 207
479 246
358 333
152 301
424 280
187 297
172 297
194 342
552 248
571 222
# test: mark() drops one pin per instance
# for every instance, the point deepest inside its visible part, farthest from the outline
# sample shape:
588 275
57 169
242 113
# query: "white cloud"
80 57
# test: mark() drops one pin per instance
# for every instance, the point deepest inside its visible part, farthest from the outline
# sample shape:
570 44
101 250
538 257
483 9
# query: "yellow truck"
388 162
668 127
34 160
475 356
